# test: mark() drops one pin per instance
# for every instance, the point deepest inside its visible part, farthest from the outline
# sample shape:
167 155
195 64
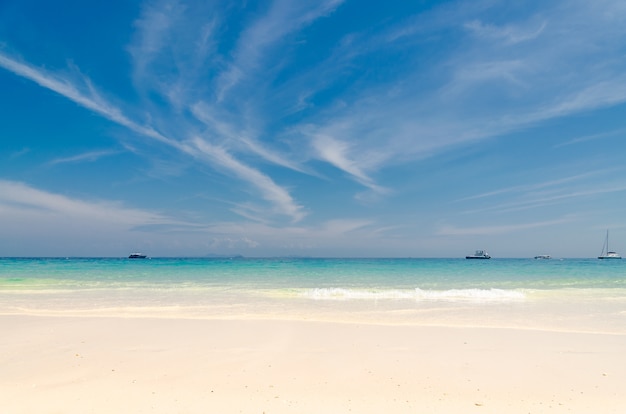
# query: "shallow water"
569 294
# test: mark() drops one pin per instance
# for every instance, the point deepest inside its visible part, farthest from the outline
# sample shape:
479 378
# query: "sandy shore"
150 365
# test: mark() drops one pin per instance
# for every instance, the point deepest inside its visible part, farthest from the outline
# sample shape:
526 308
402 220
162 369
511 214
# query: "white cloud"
283 17
509 34
23 204
230 97
271 192
449 230
336 153
506 78
592 137
476 75
172 49
90 156
331 232
152 34
229 133
533 187
344 226
88 98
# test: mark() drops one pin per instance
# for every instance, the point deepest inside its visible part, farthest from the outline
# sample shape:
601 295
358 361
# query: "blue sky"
312 128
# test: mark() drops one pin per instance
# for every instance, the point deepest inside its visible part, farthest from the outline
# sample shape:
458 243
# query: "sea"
587 295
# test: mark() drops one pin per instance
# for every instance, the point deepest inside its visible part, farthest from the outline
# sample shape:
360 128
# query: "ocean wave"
475 295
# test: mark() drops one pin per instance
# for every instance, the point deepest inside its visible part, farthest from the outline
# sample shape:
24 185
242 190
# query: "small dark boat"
137 256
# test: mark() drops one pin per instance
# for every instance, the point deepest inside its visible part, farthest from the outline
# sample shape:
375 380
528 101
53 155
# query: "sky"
333 128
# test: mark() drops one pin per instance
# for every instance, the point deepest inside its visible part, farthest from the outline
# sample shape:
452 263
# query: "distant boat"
606 253
137 256
479 254
543 256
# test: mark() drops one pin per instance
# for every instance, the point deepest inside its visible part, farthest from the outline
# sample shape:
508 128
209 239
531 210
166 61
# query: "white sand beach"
156 365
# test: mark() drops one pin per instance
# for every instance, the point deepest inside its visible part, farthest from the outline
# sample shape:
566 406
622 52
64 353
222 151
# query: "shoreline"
571 313
116 364
313 320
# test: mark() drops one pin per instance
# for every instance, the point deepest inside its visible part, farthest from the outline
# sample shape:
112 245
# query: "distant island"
224 256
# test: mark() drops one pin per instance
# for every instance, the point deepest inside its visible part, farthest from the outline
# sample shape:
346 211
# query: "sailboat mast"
605 246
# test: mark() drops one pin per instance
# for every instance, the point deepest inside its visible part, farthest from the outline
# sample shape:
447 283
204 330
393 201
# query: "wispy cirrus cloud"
449 230
508 34
92 226
282 18
172 50
503 77
21 200
41 222
337 153
90 99
506 76
82 93
550 198
534 187
20 153
90 156
564 192
229 133
153 34
232 94
327 232
592 137
272 192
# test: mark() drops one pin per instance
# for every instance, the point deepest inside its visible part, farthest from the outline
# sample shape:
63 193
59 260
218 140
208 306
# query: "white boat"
480 254
606 253
543 256
137 256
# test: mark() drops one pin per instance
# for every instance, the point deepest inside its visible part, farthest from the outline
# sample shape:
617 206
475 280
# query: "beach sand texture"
167 365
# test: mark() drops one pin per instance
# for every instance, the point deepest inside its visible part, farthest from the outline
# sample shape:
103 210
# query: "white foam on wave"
474 295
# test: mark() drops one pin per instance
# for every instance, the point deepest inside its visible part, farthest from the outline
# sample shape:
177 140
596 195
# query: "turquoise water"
401 289
277 273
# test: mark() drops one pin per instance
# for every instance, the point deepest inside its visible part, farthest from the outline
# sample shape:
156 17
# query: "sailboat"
606 253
